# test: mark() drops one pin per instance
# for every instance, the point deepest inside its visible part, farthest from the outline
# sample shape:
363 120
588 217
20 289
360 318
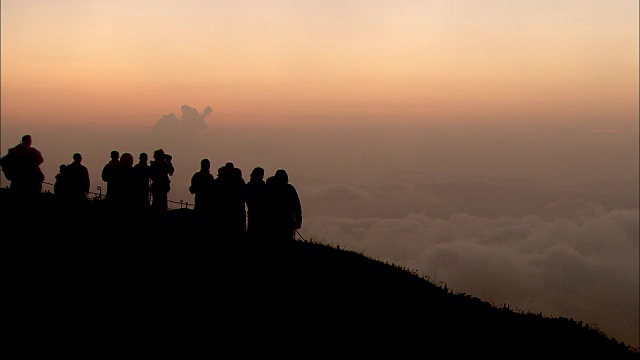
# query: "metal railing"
99 196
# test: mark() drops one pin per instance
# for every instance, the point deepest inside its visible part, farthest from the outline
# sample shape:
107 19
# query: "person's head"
115 155
26 140
205 164
77 157
158 155
63 167
127 160
237 172
143 157
282 175
257 173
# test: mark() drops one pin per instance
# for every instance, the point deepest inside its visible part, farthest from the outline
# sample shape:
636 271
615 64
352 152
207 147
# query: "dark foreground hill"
93 283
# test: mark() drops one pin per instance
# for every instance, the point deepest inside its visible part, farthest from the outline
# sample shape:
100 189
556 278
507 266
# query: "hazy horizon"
491 147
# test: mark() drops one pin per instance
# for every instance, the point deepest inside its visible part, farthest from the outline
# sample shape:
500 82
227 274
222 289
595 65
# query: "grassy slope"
104 280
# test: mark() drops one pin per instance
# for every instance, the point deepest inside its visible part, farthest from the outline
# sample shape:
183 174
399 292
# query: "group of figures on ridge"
254 209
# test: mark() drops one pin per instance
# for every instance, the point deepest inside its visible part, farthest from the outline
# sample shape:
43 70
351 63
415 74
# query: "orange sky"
130 62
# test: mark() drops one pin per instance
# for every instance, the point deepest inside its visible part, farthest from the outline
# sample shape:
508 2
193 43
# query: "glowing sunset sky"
129 62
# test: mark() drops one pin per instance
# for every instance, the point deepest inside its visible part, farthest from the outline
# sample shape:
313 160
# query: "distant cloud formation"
190 122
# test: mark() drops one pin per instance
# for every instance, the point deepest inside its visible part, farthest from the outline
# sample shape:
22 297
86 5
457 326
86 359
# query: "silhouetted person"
109 173
142 174
78 182
240 200
125 182
21 166
61 185
161 168
230 202
202 186
256 205
283 208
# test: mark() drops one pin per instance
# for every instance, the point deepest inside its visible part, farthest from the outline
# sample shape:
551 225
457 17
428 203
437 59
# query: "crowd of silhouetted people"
255 209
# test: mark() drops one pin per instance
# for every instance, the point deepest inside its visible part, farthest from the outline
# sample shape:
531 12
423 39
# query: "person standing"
283 208
109 175
231 215
61 186
142 175
21 166
202 186
78 182
160 170
125 184
256 205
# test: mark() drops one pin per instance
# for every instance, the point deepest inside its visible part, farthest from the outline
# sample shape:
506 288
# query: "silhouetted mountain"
104 281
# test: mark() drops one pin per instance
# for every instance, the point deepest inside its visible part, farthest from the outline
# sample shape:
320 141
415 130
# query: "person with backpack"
21 166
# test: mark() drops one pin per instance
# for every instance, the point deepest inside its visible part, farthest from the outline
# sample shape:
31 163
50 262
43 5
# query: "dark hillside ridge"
102 280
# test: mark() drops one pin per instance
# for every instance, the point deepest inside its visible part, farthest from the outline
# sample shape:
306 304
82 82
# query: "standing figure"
230 202
256 205
109 174
142 174
202 186
78 182
283 207
21 166
61 186
160 170
125 183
